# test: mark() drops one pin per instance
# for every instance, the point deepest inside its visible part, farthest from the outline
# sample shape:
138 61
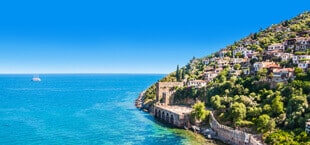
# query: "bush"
280 137
199 112
300 53
244 123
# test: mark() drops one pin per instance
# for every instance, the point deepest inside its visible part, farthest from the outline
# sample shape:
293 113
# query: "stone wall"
166 114
165 91
232 136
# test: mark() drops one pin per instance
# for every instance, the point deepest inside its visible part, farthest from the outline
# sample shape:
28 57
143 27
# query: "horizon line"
83 73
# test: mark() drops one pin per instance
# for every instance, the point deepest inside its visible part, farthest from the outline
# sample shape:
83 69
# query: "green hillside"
259 84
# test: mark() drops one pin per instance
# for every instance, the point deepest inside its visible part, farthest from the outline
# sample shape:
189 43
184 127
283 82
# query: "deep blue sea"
78 109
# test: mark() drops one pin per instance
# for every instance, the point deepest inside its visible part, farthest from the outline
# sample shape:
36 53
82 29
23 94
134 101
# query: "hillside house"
290 43
298 44
304 65
234 72
209 76
209 68
253 55
282 74
210 60
222 53
206 61
285 56
245 70
307 128
280 29
304 33
197 83
274 52
302 43
222 63
241 50
276 46
248 53
249 42
297 58
268 65
237 60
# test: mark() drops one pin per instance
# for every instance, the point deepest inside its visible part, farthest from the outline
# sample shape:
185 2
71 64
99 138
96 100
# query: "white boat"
36 79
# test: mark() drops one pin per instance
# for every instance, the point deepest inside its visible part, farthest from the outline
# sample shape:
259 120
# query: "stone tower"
165 91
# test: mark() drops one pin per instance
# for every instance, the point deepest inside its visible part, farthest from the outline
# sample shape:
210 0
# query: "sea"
80 109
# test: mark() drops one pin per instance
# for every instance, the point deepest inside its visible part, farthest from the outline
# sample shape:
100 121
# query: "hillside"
259 84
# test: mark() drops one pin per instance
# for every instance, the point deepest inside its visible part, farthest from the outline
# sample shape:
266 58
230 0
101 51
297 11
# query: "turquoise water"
78 109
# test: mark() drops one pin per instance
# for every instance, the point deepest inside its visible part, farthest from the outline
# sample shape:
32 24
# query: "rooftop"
175 109
199 81
283 70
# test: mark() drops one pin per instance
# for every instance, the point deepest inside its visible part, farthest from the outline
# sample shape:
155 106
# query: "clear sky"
130 36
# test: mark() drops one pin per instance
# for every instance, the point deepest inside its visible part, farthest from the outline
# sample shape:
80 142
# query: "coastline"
194 138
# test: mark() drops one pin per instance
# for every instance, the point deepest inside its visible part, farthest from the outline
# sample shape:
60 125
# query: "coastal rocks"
139 102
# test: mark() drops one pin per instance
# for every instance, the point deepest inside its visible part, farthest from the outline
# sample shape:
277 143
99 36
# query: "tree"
280 137
183 74
255 36
229 54
253 112
239 55
264 123
277 106
298 70
237 66
238 111
177 73
262 74
199 112
267 108
216 102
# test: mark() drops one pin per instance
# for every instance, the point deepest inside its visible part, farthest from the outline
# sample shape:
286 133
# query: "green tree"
199 112
253 112
280 137
298 70
237 66
267 108
262 74
264 123
216 102
239 55
277 106
183 74
238 111
177 73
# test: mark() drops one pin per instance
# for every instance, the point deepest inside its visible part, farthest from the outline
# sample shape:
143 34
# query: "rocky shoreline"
139 101
207 135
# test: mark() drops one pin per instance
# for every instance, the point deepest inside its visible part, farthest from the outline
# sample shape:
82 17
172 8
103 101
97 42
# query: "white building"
242 50
222 53
209 76
245 70
286 56
303 65
206 61
260 65
282 74
307 129
276 46
302 43
297 58
197 83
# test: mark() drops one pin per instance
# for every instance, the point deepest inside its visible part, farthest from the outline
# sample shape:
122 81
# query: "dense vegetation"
249 101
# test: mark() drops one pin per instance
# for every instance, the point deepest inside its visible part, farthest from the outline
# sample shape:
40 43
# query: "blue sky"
138 36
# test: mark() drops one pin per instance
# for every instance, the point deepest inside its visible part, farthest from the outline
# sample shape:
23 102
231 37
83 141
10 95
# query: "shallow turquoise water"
78 109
